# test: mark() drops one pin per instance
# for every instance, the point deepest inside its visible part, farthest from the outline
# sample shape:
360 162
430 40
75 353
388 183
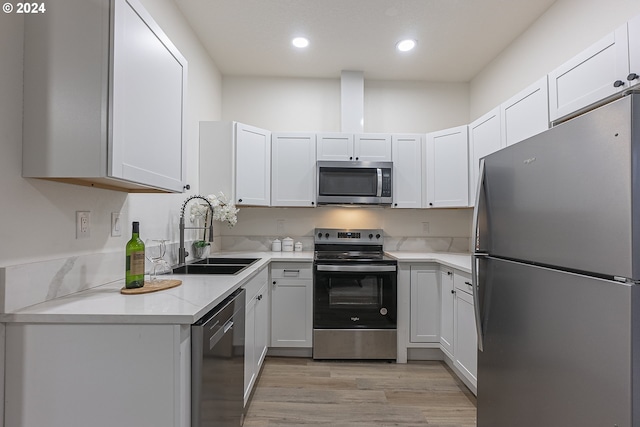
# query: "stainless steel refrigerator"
556 271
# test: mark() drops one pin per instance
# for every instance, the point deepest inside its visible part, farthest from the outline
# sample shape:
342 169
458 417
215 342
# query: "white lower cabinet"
98 375
256 338
447 313
465 336
291 305
424 324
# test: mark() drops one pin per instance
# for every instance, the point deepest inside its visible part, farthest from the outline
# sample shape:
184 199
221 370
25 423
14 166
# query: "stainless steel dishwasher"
217 365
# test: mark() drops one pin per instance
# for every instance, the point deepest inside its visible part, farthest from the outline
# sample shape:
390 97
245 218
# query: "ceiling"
456 38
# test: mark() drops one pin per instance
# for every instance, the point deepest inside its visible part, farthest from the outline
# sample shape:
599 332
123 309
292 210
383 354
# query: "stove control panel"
349 236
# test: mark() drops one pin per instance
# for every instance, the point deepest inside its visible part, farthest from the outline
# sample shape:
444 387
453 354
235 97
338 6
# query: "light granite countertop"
183 304
459 261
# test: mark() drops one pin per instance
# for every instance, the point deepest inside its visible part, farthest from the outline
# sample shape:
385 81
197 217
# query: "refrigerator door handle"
477 207
476 297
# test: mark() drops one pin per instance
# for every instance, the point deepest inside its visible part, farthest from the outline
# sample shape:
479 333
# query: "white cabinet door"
147 142
591 76
250 349
425 306
447 305
261 326
525 114
291 305
293 172
633 27
447 168
253 166
407 170
372 147
484 139
335 146
256 337
466 339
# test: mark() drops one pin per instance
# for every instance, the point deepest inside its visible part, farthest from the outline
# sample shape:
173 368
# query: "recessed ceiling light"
300 42
406 45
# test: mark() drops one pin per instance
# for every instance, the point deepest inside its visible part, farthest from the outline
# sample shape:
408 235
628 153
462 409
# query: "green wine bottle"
134 275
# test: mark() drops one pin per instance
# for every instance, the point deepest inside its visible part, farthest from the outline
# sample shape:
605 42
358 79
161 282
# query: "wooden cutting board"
152 287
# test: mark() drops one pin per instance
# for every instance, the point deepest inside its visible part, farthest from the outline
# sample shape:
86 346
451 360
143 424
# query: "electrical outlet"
280 226
83 224
116 229
425 228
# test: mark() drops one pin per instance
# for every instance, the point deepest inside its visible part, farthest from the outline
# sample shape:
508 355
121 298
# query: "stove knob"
326 235
319 235
371 236
377 236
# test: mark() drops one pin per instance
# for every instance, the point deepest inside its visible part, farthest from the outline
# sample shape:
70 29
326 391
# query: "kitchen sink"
217 265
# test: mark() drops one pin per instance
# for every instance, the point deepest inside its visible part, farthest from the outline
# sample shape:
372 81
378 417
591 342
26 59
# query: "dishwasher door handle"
215 338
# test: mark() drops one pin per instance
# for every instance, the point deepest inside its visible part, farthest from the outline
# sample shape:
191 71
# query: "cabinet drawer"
462 283
291 270
255 284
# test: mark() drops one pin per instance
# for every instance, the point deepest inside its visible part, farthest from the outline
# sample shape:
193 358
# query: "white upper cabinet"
253 165
484 139
593 75
447 170
335 146
372 147
634 51
348 147
293 161
525 114
407 170
104 105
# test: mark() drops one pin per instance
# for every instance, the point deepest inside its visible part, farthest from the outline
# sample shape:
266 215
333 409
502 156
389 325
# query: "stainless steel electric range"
354 306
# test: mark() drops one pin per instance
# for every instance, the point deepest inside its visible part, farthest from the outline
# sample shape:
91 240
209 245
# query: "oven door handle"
356 268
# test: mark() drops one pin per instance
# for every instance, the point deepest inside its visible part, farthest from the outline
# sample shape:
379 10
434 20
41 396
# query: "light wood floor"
304 392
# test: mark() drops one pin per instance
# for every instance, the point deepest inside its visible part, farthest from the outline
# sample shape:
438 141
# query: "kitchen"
39 216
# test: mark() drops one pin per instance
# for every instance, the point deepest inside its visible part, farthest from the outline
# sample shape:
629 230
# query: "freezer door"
567 197
557 349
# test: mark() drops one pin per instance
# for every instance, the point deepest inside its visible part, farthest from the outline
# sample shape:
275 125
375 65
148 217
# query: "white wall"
566 29
37 220
295 104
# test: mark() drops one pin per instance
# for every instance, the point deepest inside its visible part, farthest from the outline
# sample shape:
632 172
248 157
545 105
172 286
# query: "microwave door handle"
379 192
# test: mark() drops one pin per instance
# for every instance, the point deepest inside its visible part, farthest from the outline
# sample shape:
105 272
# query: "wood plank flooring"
303 392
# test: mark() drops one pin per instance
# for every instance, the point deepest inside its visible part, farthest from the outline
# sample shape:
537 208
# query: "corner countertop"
184 304
459 261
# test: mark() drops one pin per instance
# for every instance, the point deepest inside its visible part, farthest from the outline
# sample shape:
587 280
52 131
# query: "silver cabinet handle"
291 273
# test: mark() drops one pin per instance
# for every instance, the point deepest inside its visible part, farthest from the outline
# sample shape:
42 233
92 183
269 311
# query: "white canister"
287 244
297 247
276 245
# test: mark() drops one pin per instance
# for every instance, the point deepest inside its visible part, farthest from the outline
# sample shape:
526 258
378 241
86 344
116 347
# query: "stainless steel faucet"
182 253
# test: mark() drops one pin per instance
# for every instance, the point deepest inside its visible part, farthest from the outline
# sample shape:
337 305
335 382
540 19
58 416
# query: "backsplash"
391 243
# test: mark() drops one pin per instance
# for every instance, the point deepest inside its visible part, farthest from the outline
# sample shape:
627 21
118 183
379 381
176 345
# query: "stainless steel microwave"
361 183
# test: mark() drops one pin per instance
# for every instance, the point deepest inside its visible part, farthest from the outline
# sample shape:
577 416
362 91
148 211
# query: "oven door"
354 295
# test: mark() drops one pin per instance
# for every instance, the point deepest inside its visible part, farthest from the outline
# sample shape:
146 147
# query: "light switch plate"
116 228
